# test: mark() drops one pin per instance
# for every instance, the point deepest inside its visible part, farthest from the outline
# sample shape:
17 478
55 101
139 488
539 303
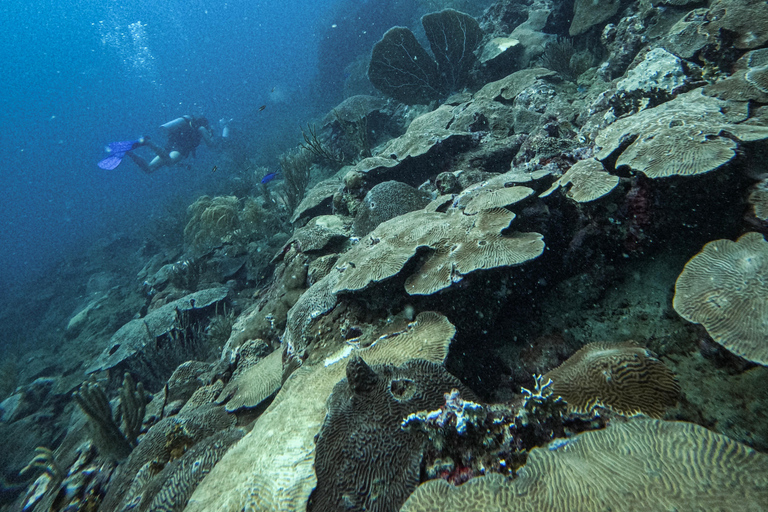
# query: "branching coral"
468 438
296 166
110 440
314 146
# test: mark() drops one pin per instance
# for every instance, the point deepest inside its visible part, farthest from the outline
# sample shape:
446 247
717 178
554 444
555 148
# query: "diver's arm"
207 137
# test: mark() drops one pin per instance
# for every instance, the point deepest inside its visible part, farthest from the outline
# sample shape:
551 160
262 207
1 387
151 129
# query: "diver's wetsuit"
183 139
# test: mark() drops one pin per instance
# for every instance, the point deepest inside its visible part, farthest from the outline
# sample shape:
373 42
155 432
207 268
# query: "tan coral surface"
624 377
272 468
588 180
725 288
689 135
459 244
643 465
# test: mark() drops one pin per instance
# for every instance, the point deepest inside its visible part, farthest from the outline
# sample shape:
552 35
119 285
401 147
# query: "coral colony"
537 245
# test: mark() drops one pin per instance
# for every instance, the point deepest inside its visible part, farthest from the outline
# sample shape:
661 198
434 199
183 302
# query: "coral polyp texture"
588 181
689 135
255 384
459 244
272 467
748 82
211 221
637 466
623 377
364 460
758 198
724 288
494 198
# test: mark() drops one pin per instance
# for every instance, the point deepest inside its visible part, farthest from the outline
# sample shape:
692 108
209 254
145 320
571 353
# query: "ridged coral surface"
643 465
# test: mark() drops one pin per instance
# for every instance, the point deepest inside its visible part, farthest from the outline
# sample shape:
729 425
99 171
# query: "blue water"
80 74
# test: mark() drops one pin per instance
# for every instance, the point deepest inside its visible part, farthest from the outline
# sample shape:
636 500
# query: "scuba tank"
177 123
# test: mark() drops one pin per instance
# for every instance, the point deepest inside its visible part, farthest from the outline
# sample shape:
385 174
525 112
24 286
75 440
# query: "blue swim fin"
117 151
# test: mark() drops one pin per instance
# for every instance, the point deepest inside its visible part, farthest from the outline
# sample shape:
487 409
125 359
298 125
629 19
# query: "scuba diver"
184 136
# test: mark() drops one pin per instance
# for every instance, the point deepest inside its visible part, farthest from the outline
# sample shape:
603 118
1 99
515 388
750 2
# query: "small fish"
269 177
214 168
262 108
273 90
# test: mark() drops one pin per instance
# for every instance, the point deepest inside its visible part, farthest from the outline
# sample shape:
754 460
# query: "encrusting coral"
253 385
655 150
460 244
279 452
588 181
692 127
164 442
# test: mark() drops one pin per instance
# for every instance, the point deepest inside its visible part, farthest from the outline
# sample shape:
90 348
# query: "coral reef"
622 377
170 489
152 347
515 213
587 14
164 442
654 464
460 244
689 126
364 415
401 68
211 221
386 201
250 385
469 439
588 181
722 288
296 166
280 449
112 441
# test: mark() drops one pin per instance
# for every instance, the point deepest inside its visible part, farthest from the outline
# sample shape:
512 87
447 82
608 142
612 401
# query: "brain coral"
386 201
725 289
253 385
365 461
272 467
640 466
623 377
